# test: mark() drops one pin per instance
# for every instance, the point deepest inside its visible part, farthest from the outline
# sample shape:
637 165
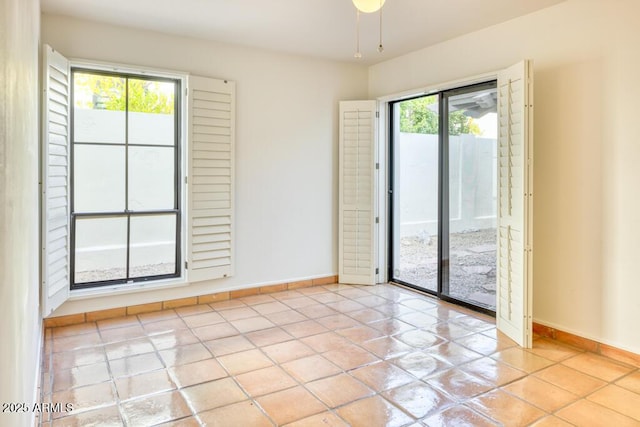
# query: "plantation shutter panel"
55 181
515 204
356 232
210 213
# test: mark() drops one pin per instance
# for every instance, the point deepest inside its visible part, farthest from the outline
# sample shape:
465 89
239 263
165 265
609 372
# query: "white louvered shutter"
356 264
515 203
55 181
210 233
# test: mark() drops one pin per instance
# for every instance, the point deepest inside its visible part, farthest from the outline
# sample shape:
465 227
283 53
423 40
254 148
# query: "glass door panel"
415 153
471 142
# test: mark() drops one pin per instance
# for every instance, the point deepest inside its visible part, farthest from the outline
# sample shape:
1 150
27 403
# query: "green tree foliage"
95 91
420 115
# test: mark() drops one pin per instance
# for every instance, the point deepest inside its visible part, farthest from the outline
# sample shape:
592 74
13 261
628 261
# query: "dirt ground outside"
472 265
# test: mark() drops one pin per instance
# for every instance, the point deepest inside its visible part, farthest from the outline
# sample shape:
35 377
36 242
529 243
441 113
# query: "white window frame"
207 179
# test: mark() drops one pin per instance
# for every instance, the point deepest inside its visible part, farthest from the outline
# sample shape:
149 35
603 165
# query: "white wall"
20 330
587 213
472 183
286 147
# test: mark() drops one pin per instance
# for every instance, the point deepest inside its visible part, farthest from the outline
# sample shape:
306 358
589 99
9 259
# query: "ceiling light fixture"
367 6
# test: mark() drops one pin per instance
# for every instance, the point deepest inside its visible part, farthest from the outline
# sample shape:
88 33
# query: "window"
137 181
125 192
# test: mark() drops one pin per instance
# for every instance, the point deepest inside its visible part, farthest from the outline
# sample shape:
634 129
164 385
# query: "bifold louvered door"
55 180
210 234
356 264
515 203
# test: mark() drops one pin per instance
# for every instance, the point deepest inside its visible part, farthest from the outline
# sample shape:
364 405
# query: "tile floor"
330 355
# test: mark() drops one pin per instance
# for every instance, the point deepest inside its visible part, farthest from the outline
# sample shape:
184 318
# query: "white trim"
127 288
37 386
128 69
438 87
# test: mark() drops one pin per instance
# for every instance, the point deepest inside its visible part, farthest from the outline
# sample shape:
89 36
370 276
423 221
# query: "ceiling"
319 28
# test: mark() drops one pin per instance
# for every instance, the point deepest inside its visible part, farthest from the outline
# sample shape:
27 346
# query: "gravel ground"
472 265
119 273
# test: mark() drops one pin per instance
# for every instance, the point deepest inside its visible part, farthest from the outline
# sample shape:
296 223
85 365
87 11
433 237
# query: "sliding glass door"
443 194
416 154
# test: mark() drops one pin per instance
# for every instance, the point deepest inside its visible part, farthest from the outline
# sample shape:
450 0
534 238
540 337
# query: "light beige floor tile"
326 341
229 345
420 364
569 379
144 384
74 359
129 348
338 390
122 334
367 315
134 365
630 382
373 412
80 376
506 409
104 417
553 350
213 394
387 347
239 313
483 344
540 393
182 422
203 319
84 398
212 332
350 357
245 361
598 366
418 399
323 419
459 385
360 334
285 317
453 353
172 339
196 373
265 381
551 421
458 416
619 399
239 414
311 368
270 307
268 336
287 351
279 405
155 409
184 354
163 326
76 342
497 373
521 359
382 376
252 324
589 414
72 330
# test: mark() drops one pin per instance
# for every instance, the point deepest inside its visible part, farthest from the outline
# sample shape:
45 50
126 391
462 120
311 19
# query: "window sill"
127 288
